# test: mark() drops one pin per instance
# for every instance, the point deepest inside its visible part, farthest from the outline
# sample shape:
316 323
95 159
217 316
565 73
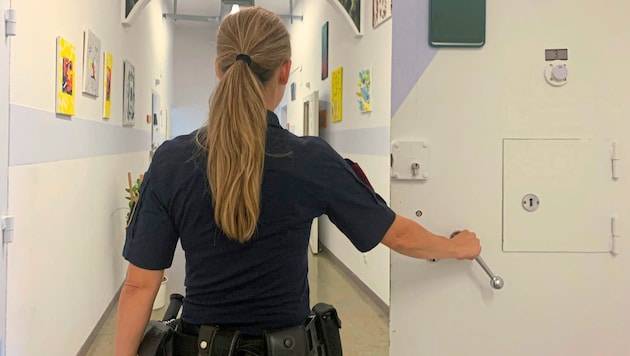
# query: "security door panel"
558 195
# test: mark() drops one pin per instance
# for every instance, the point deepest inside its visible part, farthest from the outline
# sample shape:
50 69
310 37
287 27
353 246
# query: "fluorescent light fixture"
235 8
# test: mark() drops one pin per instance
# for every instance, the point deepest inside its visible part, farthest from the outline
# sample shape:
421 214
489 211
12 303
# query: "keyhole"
530 202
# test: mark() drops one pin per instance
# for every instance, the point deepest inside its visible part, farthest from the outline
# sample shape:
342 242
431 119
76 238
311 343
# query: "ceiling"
213 7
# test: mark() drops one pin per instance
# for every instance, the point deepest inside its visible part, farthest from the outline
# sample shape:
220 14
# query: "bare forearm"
411 239
134 311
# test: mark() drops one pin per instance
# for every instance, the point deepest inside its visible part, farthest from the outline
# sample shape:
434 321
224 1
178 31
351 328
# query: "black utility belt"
318 336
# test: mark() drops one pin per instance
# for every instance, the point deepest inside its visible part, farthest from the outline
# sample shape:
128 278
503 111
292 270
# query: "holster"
328 325
157 340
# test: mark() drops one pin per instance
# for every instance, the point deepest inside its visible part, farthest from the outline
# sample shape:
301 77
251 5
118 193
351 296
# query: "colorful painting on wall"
91 63
107 85
66 55
129 94
381 11
325 51
365 90
352 11
337 95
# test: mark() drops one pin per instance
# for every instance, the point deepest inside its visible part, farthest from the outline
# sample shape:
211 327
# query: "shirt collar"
272 119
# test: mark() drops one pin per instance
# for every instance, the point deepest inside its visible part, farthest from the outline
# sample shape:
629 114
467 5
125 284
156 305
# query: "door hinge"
614 157
615 235
10 22
7 229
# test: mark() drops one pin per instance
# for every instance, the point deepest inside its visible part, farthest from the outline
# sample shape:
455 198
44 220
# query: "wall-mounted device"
556 70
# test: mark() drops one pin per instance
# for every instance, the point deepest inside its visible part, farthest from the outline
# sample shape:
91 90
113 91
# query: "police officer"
241 194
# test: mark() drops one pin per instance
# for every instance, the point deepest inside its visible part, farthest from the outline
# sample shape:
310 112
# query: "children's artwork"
91 63
381 11
293 91
325 51
107 85
129 94
352 11
337 95
66 55
364 93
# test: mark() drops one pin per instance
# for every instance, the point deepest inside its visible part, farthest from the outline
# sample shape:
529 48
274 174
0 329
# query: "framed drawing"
129 94
353 12
108 60
325 51
364 95
381 11
66 61
91 63
131 9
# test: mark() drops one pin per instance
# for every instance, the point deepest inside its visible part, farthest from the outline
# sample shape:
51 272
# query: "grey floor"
365 328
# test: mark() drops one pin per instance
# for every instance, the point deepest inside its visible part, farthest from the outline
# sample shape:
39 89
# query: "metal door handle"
496 282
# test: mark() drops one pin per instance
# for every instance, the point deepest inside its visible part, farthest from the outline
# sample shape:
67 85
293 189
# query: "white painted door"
4 170
530 167
311 128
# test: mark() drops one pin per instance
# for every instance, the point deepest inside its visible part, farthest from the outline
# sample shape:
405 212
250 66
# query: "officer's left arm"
134 307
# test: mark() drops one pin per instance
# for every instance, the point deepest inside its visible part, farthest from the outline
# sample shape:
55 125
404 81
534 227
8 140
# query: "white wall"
361 137
465 104
195 79
67 175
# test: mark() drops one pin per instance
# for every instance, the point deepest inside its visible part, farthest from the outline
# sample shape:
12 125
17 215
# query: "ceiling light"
235 9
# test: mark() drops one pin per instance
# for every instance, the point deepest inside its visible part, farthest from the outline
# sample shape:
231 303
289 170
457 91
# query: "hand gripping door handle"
496 282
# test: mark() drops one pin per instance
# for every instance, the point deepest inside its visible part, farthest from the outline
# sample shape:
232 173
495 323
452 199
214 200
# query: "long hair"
237 127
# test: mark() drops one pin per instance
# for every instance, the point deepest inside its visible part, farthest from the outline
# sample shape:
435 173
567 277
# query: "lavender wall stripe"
411 53
38 136
366 141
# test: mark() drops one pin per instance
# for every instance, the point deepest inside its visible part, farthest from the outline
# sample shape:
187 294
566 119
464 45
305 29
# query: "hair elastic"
244 57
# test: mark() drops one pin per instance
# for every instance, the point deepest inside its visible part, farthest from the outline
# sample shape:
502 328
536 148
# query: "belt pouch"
286 342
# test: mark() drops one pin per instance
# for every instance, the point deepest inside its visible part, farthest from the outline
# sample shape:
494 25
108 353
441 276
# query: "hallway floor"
365 328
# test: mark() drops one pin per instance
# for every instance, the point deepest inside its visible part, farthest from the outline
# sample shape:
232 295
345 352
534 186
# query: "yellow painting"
65 77
337 95
107 85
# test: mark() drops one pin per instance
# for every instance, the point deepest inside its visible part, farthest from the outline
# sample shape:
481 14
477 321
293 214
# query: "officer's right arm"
411 239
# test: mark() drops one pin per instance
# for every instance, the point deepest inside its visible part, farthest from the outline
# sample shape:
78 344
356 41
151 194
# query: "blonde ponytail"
237 126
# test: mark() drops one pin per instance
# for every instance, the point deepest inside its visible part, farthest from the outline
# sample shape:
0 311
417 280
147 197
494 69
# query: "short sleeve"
151 236
359 212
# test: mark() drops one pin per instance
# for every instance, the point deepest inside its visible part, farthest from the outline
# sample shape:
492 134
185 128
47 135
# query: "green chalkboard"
457 23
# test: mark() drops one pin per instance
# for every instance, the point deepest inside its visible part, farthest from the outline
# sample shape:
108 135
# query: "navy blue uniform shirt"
261 284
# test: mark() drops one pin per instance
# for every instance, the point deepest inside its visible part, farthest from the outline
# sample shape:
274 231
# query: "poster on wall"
352 10
66 55
91 63
129 94
293 91
108 59
325 51
364 95
131 9
381 11
336 106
